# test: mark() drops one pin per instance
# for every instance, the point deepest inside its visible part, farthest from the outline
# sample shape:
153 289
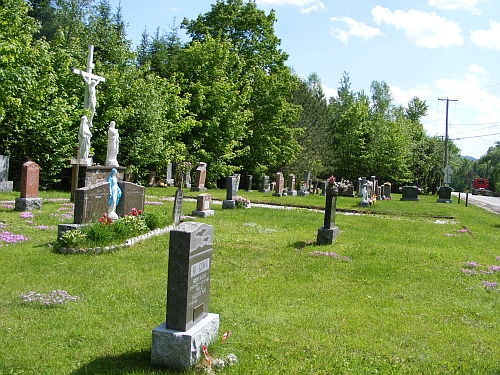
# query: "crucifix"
91 81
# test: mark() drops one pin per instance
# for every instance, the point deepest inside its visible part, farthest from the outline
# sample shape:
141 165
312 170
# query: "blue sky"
427 48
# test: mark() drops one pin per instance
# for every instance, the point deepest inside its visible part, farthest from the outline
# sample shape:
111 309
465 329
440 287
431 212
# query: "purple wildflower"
7 206
468 272
11 238
494 268
470 264
26 215
489 285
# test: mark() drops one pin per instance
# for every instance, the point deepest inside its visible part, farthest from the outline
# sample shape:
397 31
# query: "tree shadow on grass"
126 363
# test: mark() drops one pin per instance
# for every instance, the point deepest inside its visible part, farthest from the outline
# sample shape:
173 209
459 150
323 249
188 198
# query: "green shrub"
73 238
156 220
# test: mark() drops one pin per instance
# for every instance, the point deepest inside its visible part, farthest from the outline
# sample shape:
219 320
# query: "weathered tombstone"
169 180
304 188
280 185
133 196
229 202
387 190
187 179
410 193
203 206
444 194
322 186
29 188
90 203
237 177
5 185
366 195
328 232
177 342
291 185
248 183
265 187
179 195
199 180
379 193
373 186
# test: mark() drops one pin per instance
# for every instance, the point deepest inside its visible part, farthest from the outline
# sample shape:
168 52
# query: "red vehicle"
480 183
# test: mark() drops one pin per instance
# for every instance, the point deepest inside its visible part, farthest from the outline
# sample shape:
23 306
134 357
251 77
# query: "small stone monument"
187 179
265 187
304 188
291 185
322 186
179 196
361 184
248 183
229 202
237 177
29 188
444 194
169 180
177 342
203 206
410 193
328 233
199 181
280 185
387 190
5 184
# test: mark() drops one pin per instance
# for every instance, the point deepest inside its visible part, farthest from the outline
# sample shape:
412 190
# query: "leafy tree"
270 137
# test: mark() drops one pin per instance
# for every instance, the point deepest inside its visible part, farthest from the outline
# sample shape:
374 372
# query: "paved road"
489 203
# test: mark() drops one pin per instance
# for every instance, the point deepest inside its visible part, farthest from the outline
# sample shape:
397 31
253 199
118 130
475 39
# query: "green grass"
401 305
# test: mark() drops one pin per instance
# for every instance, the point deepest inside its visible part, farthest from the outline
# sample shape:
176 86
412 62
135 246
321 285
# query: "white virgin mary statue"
113 143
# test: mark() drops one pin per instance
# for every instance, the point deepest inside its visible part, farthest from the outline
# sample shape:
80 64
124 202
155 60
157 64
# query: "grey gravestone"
203 206
379 193
373 186
291 185
229 202
304 188
5 185
90 203
322 186
265 187
169 180
179 195
444 194
360 187
133 196
187 179
248 183
410 193
177 343
199 181
237 177
280 185
188 285
328 232
387 190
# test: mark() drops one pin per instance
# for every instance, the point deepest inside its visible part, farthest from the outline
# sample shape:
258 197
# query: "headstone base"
228 203
440 200
277 195
205 213
327 236
182 350
6 186
28 204
292 193
364 204
61 228
202 189
303 193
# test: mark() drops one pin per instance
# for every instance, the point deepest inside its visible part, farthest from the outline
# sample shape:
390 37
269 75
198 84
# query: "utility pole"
446 134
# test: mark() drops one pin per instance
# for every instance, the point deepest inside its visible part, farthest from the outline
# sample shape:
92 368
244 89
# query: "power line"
480 123
475 136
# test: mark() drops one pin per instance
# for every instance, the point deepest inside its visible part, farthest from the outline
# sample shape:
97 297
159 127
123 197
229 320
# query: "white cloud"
469 5
329 92
306 6
356 29
477 69
423 29
487 38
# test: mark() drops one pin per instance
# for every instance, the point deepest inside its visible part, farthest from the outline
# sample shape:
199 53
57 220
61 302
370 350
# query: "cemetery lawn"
407 288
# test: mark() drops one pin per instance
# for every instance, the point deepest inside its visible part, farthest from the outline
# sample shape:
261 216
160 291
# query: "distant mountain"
471 158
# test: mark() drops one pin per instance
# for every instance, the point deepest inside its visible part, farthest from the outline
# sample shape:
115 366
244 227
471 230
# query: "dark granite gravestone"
179 196
387 190
410 193
328 232
229 202
291 185
91 203
199 181
322 186
177 343
29 188
5 185
203 206
133 196
248 183
444 193
280 185
305 186
188 288
265 187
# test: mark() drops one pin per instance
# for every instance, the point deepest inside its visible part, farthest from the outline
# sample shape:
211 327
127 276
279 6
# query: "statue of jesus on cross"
91 81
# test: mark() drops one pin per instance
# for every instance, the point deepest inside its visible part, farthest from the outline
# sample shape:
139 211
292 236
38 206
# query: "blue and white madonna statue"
114 194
